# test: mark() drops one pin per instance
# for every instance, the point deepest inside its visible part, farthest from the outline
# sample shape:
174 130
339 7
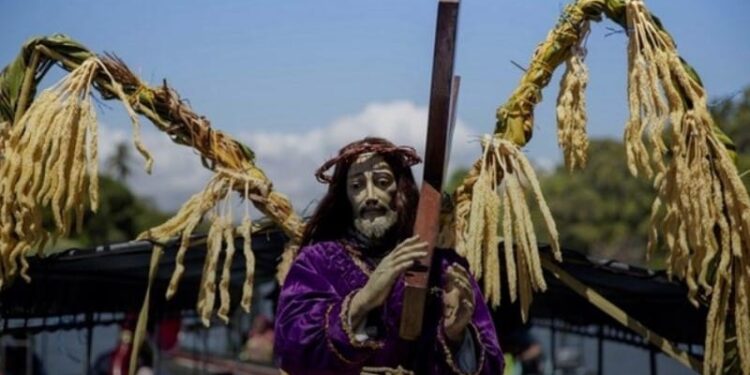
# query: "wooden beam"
621 316
437 151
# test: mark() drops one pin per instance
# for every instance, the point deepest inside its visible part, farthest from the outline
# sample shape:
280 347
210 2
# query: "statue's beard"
376 227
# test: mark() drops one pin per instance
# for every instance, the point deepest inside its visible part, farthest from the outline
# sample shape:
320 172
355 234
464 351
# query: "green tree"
455 179
121 215
119 162
733 116
601 209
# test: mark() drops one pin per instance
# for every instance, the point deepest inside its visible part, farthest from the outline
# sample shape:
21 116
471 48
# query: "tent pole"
616 313
652 361
600 350
553 345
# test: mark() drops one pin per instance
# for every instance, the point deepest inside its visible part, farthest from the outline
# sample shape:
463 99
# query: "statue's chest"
350 272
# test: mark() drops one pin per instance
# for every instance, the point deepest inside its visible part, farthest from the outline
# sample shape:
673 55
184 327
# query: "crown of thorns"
406 153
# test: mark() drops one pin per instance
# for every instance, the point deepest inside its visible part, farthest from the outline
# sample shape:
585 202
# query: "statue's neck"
374 249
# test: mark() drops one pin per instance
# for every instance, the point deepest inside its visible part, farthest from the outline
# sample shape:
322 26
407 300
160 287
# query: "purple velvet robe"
313 334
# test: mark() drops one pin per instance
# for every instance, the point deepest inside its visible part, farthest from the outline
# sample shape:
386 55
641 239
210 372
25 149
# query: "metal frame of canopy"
80 287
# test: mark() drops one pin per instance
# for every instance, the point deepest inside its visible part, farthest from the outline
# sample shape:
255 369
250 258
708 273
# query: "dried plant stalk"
220 236
515 122
171 114
503 165
571 106
72 148
207 293
701 205
491 258
161 105
702 210
287 258
228 233
245 230
50 163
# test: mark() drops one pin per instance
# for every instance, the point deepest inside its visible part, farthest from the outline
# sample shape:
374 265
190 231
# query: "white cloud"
177 172
288 158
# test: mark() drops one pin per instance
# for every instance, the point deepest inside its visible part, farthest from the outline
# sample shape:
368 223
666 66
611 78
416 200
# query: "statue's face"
371 188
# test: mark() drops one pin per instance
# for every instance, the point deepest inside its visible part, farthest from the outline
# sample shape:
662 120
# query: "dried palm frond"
515 123
245 231
702 210
55 162
287 259
220 236
113 79
4 132
702 206
503 170
219 151
571 106
50 163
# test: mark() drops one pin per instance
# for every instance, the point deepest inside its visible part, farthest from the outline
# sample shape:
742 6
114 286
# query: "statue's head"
371 189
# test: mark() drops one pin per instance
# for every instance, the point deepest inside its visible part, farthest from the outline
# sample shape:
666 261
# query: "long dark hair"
333 216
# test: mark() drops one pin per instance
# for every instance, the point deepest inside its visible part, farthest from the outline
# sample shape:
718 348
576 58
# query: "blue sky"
285 70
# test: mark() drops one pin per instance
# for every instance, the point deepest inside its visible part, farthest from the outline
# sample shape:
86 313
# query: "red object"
167 334
121 354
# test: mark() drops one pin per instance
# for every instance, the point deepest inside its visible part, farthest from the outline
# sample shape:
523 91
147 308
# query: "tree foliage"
601 209
733 116
121 215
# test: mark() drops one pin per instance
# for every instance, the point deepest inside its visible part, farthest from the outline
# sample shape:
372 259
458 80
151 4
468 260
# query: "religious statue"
341 303
345 292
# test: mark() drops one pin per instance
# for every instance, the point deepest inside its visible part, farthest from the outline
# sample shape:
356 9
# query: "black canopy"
81 287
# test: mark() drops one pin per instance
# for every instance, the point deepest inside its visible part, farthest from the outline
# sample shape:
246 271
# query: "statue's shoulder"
320 250
332 262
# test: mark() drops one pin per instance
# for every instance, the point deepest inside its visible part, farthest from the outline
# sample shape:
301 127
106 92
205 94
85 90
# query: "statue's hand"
458 303
378 287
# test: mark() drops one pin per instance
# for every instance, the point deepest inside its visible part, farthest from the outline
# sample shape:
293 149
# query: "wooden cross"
440 123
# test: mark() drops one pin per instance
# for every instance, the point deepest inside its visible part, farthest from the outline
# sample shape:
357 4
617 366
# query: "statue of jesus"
340 306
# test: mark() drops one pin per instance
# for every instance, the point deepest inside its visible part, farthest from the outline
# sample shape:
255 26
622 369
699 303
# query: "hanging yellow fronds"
221 235
245 231
287 259
50 163
499 182
571 106
702 206
702 210
4 131
514 127
21 231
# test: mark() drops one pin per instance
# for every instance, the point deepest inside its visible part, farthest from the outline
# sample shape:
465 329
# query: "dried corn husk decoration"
245 231
499 182
515 123
287 259
50 163
221 235
571 106
476 209
702 206
4 131
21 232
